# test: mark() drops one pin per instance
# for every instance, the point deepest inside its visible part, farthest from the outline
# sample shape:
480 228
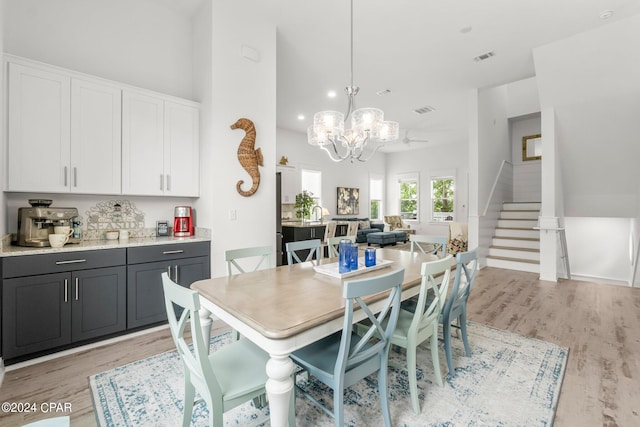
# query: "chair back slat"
292 249
231 256
333 243
466 268
425 317
352 228
330 231
194 356
382 325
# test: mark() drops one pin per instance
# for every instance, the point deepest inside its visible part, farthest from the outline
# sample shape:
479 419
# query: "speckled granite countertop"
7 250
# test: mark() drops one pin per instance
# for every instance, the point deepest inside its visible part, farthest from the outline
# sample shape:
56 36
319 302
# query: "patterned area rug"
509 380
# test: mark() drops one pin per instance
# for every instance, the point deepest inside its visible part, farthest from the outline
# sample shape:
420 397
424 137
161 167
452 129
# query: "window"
409 198
375 198
311 181
442 199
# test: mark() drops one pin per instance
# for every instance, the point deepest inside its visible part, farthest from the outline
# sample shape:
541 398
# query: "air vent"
383 92
484 56
424 110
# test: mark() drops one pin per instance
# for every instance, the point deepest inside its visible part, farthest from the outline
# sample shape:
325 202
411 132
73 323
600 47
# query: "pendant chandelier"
368 128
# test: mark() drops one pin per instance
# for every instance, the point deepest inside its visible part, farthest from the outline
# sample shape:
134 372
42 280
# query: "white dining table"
286 308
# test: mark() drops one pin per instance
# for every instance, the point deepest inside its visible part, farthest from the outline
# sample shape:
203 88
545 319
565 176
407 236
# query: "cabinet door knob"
161 182
76 289
65 176
66 290
75 176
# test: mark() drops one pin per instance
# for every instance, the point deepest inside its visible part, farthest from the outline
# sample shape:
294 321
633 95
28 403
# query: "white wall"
527 179
591 81
137 42
429 162
598 247
301 155
239 88
3 215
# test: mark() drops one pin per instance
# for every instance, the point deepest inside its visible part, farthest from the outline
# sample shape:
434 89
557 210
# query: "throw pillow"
457 245
363 225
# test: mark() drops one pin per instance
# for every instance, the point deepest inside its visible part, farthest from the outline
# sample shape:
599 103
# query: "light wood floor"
599 323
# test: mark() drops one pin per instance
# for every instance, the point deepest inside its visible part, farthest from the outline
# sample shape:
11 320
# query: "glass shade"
388 131
331 122
366 119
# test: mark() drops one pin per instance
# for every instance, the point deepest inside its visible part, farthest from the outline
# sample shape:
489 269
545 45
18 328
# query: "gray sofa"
361 237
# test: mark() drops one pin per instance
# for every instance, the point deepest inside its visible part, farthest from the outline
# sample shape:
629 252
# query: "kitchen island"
295 231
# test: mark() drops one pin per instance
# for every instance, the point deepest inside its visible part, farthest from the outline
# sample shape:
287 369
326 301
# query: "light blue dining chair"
333 243
416 327
257 254
225 379
344 358
292 248
261 253
455 307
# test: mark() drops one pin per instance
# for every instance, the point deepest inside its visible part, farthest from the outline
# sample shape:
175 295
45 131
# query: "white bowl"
111 235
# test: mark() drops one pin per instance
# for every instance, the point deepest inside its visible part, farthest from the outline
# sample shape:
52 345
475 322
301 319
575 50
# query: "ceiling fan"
407 140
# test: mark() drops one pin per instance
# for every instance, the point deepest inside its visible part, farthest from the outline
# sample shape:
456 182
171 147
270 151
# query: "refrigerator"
279 250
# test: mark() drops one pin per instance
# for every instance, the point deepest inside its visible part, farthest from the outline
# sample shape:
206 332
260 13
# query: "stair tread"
528 239
518 219
503 258
513 228
512 248
520 210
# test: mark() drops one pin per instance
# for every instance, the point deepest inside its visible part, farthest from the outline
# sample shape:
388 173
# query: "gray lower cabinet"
185 264
81 296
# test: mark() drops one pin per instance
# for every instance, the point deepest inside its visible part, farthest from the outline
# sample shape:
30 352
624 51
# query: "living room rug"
510 380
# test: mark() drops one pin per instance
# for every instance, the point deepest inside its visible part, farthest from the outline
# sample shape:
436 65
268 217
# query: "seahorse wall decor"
249 157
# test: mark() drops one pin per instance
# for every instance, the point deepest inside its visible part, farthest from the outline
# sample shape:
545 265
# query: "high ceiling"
420 50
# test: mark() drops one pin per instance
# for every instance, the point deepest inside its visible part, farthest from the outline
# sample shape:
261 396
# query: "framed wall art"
348 201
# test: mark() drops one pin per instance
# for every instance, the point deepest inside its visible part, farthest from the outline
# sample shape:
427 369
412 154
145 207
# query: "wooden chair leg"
446 332
383 391
413 381
463 330
435 357
189 396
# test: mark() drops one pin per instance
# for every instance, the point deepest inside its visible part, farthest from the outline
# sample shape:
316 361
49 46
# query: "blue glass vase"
354 257
344 259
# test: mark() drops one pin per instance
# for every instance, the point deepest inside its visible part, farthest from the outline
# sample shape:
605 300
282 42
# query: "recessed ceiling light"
331 94
300 116
383 92
606 14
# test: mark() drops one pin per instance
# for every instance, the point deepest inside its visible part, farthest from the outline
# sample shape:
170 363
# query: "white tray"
332 269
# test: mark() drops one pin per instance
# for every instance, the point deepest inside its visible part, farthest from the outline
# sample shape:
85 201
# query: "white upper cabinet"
64 133
39 130
95 137
160 146
288 184
182 149
142 144
69 132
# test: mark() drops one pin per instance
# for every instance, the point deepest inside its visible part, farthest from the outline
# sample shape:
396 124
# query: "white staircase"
515 244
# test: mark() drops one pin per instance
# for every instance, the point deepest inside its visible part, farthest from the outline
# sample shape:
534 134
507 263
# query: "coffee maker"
183 221
37 222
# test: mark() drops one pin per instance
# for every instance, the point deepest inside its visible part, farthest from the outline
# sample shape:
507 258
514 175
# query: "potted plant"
303 205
